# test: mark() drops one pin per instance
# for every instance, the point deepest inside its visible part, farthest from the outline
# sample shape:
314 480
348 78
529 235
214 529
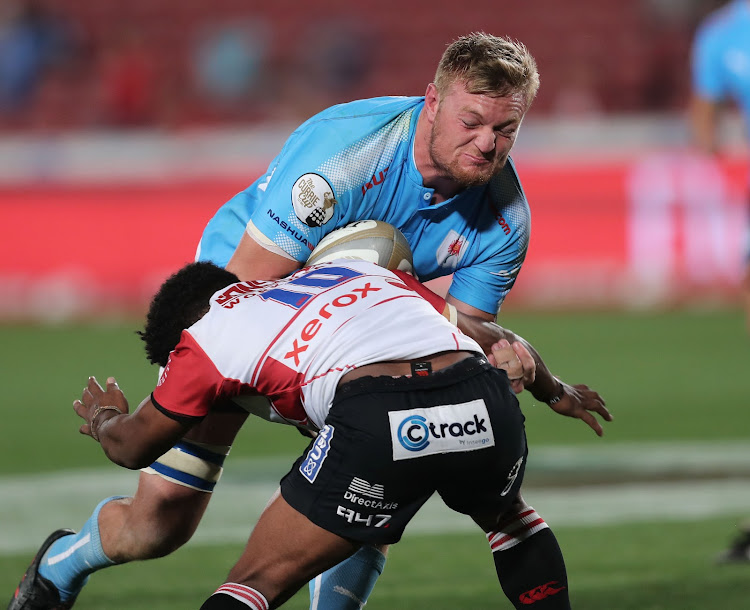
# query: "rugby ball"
370 240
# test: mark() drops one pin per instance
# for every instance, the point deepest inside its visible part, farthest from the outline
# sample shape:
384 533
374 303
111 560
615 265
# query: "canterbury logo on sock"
539 593
247 595
516 529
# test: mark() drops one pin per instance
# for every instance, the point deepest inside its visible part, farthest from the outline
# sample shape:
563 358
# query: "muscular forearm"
545 386
254 261
116 438
135 440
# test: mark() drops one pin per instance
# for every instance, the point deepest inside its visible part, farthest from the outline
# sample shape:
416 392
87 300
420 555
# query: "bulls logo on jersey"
452 250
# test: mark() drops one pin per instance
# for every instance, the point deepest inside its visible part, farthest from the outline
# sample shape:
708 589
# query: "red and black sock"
529 563
232 596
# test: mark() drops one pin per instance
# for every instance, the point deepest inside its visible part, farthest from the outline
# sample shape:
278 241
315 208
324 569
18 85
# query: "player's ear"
431 101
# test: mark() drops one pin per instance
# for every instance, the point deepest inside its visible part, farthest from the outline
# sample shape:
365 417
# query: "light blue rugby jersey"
355 161
721 57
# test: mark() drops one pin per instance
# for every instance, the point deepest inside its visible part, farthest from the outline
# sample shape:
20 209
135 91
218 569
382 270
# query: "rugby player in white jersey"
403 404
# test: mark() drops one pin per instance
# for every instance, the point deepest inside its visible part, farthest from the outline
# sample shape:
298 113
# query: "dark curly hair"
181 301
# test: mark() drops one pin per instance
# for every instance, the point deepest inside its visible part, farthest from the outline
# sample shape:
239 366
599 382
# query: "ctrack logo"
414 433
442 429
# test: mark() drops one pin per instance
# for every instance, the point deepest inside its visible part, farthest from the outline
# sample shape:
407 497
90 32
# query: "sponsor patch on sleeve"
313 199
442 429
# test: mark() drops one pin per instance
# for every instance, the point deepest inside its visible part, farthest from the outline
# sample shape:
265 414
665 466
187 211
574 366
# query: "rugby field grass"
655 566
665 376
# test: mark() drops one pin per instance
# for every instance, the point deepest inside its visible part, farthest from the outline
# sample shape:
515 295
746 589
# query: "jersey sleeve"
315 184
190 383
494 278
301 198
488 278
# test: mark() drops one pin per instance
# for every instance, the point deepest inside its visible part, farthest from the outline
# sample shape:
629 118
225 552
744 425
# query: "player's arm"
132 440
704 118
709 87
480 326
577 401
257 258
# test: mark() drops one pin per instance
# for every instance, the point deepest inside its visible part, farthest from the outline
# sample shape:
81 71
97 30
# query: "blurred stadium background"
131 122
124 125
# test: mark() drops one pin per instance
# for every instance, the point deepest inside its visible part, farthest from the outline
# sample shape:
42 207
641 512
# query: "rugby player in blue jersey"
721 76
438 168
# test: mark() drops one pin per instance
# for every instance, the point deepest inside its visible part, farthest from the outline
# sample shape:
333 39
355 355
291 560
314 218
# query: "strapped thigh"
191 464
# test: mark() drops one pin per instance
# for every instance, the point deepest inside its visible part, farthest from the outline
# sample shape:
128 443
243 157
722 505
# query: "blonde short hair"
490 65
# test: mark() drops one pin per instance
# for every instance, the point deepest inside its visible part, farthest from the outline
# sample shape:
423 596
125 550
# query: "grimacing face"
472 134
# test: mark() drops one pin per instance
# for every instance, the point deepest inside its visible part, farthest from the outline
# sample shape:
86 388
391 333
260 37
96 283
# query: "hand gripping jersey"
721 57
291 340
355 162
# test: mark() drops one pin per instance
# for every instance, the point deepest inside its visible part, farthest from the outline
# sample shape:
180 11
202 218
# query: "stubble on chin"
460 175
467 178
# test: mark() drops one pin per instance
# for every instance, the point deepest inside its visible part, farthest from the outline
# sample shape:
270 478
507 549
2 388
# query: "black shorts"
390 443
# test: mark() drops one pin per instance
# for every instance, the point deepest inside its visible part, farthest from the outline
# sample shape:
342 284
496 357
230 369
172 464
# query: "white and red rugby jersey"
291 340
